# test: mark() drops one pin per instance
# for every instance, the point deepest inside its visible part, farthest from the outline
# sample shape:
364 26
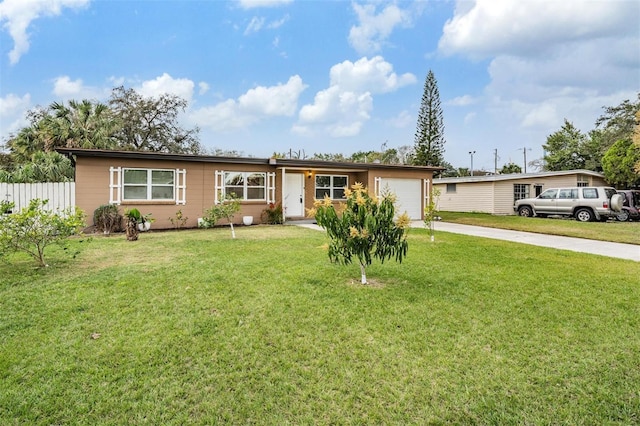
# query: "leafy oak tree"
364 228
564 149
619 163
151 123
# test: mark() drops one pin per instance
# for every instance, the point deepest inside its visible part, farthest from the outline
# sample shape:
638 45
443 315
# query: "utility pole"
471 154
524 151
495 161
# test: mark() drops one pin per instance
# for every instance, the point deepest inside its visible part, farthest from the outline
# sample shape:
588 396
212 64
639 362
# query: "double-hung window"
148 184
330 185
246 186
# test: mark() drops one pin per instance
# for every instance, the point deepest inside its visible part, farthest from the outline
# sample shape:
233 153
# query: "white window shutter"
427 192
219 193
181 186
377 181
271 187
115 185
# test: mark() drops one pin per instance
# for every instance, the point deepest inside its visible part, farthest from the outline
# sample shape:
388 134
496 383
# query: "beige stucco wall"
92 186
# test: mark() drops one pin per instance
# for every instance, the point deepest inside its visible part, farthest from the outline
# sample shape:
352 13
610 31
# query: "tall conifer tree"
429 139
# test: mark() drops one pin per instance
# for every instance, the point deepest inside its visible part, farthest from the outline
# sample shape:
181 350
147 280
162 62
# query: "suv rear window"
610 192
589 193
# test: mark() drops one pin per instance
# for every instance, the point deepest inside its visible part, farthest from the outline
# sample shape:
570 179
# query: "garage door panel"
408 195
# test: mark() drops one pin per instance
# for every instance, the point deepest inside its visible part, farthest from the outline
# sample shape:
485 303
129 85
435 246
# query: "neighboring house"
162 184
496 194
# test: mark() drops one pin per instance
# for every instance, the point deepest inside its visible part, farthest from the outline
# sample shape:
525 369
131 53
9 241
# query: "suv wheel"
525 211
584 215
623 216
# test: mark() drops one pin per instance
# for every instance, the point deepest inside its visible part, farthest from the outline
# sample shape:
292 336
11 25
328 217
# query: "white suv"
584 203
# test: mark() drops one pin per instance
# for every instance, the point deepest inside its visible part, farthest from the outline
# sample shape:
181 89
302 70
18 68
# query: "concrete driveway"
603 248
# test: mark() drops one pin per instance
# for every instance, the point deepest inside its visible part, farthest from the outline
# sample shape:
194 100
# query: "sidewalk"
603 248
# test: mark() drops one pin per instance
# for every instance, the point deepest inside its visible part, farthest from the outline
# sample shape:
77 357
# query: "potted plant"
144 224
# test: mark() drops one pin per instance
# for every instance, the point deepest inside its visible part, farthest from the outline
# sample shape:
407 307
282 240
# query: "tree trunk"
363 274
233 232
131 229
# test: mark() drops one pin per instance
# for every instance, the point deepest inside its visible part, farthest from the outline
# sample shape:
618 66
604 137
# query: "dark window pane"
162 192
162 177
255 194
320 193
338 193
323 181
135 176
134 193
339 181
238 192
255 179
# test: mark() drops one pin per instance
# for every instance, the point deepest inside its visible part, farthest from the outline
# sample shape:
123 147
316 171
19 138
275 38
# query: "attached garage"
408 195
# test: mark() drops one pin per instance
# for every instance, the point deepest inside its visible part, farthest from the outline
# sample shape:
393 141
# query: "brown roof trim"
276 162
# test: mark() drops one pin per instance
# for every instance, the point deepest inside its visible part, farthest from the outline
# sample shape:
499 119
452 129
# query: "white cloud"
65 88
498 27
373 30
403 120
464 100
181 87
374 75
17 15
343 108
203 88
13 111
251 4
255 105
548 60
259 23
255 25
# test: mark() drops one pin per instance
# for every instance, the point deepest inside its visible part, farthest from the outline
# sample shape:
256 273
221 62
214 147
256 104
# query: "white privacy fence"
61 195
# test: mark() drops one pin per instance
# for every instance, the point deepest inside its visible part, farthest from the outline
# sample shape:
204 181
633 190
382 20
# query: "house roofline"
514 176
276 162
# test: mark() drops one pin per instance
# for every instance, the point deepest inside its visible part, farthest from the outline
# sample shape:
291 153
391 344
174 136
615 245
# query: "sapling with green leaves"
35 228
364 228
431 211
223 210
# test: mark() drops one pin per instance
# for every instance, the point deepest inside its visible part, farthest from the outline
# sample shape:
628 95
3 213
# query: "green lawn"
194 327
618 232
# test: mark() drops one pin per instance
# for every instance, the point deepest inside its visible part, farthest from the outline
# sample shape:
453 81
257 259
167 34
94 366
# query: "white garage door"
408 193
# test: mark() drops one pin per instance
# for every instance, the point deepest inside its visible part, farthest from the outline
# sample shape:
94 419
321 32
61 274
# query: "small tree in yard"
33 229
224 210
364 228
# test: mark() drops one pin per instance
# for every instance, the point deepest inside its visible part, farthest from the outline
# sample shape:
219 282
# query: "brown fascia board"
276 162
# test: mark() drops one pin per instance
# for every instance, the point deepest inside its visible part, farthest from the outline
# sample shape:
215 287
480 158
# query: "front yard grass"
614 231
194 327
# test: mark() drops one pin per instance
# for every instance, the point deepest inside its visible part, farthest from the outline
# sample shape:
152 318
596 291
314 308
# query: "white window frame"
331 186
246 186
149 185
521 191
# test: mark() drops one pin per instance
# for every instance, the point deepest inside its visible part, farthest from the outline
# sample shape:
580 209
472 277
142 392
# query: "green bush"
272 215
34 228
107 218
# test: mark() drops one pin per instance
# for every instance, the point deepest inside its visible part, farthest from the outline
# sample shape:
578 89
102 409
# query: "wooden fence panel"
61 195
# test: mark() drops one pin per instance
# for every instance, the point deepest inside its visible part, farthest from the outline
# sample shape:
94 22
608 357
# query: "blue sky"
332 76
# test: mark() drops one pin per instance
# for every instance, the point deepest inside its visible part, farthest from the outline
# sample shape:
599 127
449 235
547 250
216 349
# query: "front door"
294 195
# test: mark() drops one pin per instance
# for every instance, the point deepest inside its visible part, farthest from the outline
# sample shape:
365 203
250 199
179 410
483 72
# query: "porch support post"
283 189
